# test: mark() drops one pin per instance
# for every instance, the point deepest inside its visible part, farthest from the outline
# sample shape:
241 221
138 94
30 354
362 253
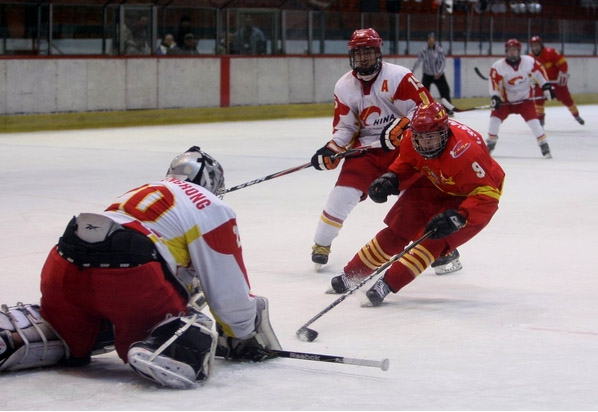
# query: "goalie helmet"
198 167
365 55
430 129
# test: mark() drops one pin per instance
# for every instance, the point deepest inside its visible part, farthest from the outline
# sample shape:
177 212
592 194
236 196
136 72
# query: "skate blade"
450 267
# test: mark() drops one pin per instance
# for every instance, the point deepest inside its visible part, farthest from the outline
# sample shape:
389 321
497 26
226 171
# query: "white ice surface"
517 328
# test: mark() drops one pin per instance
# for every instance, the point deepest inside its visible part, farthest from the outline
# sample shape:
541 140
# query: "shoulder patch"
459 148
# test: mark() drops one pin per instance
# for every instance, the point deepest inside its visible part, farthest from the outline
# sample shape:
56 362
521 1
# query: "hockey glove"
562 79
248 349
495 103
391 135
322 159
445 224
382 187
549 91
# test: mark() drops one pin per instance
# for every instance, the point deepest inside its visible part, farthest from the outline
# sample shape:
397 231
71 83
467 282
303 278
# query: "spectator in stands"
248 39
189 45
184 29
167 45
135 37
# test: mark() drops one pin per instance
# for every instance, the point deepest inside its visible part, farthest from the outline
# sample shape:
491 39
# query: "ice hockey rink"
516 329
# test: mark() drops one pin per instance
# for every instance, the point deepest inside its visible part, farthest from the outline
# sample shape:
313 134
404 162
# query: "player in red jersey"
368 100
556 68
455 199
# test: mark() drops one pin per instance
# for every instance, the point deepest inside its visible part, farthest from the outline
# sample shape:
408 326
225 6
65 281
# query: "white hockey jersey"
196 234
362 109
514 84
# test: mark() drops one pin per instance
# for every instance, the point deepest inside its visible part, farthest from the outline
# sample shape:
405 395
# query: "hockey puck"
385 364
307 334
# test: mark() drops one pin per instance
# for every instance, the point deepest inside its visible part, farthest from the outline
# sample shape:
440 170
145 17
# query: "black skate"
376 294
319 255
448 263
545 150
491 144
339 284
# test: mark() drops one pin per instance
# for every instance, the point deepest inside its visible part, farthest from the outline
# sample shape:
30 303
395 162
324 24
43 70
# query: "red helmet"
429 128
365 56
513 43
365 38
536 39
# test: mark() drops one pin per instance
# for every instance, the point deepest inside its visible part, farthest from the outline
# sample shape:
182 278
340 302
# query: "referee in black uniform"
434 62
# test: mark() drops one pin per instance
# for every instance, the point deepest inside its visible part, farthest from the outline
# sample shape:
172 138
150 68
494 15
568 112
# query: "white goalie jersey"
362 109
197 235
515 84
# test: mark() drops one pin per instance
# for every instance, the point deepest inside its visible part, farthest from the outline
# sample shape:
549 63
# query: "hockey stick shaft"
364 281
347 153
382 364
450 106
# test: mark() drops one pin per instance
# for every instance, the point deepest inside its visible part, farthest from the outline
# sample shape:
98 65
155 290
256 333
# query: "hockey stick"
450 106
347 153
309 335
382 364
479 73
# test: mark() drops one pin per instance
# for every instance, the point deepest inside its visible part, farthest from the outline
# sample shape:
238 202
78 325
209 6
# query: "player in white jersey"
511 83
140 266
373 104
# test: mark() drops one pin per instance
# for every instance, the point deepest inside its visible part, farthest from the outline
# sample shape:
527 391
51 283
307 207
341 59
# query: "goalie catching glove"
323 159
549 91
391 135
382 187
253 347
445 224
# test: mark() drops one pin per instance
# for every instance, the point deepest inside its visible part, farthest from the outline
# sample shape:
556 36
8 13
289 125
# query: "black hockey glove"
382 187
391 135
549 91
322 159
445 224
495 103
242 349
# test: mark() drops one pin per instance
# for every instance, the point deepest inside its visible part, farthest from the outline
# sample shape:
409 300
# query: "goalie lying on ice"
139 266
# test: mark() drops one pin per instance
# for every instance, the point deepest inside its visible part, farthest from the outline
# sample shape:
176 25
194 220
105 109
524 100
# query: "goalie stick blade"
479 73
307 334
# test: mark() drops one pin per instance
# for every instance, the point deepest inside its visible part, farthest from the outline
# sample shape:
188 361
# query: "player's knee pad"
179 352
27 340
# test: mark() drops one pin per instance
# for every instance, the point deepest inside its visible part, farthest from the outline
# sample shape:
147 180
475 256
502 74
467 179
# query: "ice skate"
545 150
580 120
491 144
376 294
339 284
448 263
319 255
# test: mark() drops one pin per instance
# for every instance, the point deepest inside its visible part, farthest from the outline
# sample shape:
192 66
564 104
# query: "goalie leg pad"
26 340
179 353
